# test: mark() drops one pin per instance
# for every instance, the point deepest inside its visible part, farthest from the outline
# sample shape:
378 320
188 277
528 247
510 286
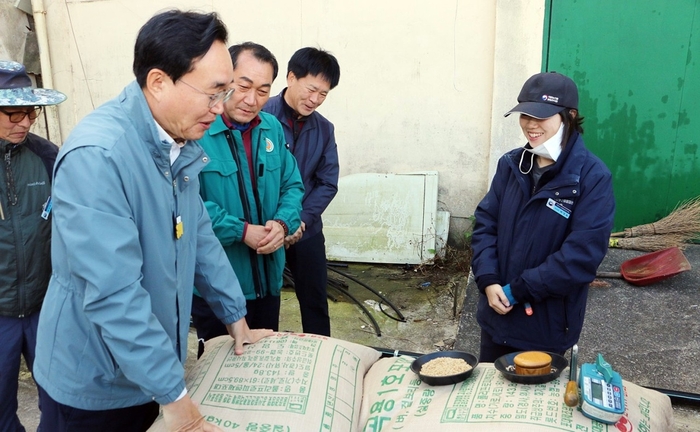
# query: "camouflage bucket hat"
16 88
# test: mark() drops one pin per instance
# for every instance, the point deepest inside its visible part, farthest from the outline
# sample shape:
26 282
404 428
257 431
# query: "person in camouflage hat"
25 227
16 88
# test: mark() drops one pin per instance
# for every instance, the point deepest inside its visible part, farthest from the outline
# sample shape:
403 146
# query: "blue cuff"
509 295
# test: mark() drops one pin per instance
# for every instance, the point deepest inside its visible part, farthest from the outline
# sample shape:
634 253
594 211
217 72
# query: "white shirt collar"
167 139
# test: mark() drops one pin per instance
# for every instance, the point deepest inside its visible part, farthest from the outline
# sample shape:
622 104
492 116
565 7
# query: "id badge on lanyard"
179 227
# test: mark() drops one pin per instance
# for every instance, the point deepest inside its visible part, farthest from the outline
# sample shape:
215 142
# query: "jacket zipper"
15 218
257 282
175 221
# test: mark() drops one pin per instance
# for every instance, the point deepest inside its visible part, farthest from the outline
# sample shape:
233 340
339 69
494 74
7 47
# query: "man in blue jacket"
131 236
25 227
311 74
252 190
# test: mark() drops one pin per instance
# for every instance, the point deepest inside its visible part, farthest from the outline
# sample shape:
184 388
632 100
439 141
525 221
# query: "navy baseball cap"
545 94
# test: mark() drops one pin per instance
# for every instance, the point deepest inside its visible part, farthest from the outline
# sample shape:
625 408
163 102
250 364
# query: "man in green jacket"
252 190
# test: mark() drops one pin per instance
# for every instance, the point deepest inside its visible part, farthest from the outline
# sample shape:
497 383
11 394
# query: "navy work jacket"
546 241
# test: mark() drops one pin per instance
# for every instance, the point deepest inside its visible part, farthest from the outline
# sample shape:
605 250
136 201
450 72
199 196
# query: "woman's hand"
497 299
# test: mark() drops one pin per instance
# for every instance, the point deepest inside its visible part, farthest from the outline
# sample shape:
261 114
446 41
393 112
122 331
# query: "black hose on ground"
386 352
400 318
375 324
342 288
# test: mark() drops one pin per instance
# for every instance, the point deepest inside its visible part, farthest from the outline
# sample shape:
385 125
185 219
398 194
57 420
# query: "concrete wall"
423 84
13 37
18 43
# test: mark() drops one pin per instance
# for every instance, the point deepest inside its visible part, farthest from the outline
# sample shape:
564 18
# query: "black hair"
171 41
312 61
571 123
259 52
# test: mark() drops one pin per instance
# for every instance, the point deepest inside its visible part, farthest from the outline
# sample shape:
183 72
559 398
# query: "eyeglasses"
215 98
18 116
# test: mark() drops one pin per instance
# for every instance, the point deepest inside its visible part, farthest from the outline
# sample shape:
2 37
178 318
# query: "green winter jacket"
278 195
25 236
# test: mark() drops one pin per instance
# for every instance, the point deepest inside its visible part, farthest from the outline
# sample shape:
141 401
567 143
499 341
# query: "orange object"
571 392
532 363
652 267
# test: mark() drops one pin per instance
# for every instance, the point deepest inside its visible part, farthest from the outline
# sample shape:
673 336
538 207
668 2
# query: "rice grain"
445 366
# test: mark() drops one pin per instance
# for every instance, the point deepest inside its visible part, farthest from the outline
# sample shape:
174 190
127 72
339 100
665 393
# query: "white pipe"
53 125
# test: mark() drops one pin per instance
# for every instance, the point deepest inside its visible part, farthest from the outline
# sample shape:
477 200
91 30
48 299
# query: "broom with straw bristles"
683 221
649 243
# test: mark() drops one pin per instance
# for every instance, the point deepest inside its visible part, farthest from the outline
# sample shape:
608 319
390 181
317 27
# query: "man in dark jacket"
311 75
25 227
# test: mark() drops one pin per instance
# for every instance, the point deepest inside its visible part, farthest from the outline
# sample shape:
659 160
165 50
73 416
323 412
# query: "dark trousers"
307 262
491 351
262 313
56 417
17 339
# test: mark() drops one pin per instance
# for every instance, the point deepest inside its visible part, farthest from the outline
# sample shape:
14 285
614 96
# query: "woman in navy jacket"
542 229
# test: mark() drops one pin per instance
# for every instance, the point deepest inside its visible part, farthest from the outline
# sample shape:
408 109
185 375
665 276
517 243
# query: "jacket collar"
219 125
4 144
241 127
278 106
133 101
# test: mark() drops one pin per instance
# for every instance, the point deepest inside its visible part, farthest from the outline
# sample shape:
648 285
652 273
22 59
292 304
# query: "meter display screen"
602 401
596 390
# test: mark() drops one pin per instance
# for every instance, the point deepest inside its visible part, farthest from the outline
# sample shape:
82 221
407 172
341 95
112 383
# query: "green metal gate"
635 63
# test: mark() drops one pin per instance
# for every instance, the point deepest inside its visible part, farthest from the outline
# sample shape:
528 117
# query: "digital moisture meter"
602 393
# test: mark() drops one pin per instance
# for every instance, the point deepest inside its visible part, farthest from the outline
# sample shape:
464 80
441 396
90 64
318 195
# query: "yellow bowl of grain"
444 367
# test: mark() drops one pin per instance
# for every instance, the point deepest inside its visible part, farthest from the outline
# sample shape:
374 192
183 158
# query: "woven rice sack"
287 382
395 399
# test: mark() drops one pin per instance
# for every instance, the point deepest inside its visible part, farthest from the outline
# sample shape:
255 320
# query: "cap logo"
552 99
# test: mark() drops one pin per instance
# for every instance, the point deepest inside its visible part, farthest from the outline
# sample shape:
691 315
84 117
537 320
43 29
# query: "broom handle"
603 274
618 234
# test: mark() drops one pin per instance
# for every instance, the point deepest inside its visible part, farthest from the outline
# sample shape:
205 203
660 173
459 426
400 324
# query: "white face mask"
550 149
